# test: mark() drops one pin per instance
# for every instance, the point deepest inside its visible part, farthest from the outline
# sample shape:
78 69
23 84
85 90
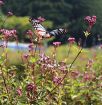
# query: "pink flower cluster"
71 40
19 92
1 2
91 21
26 56
88 76
57 80
9 13
56 44
31 87
8 33
62 67
45 63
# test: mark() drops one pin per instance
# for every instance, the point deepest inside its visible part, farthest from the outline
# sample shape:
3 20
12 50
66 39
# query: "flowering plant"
43 80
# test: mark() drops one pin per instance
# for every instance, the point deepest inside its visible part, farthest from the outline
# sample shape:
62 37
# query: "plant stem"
33 72
69 51
36 45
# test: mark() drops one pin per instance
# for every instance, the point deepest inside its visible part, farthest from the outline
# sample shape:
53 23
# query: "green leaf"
4 95
48 88
32 60
19 103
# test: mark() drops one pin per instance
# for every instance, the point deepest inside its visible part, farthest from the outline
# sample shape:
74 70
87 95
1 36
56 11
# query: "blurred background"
58 13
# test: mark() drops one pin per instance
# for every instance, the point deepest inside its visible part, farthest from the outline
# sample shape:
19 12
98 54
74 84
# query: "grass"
14 57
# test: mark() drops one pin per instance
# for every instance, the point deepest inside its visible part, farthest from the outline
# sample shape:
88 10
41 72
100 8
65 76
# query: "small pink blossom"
31 87
56 44
8 33
57 80
71 40
1 2
19 91
26 56
63 69
9 13
44 58
88 76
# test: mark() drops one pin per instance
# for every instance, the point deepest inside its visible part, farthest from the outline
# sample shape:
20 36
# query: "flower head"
63 69
8 33
9 13
56 44
31 87
1 2
71 40
19 91
91 21
57 80
26 56
88 76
